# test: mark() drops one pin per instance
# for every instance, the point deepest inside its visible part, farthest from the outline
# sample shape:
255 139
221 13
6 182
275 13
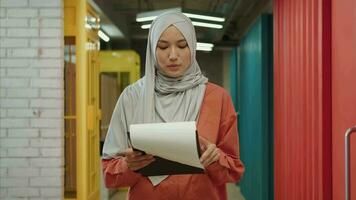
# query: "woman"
174 89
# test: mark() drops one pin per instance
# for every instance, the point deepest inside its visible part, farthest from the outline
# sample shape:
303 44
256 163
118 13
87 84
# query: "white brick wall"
24 133
50 32
14 82
22 13
51 172
45 42
13 23
47 3
2 12
13 3
54 93
23 192
49 12
22 72
10 42
23 172
14 103
22 32
2 72
31 106
46 83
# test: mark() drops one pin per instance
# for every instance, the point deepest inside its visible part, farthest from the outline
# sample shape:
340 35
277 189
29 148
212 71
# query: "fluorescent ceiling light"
208 25
151 15
202 24
146 26
190 15
103 36
90 19
204 48
145 19
92 22
205 17
201 46
208 45
106 25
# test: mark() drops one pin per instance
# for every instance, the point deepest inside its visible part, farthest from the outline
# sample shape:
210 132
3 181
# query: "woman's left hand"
211 152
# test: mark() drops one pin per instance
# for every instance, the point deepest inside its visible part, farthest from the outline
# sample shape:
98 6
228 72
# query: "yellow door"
121 61
82 173
117 70
93 162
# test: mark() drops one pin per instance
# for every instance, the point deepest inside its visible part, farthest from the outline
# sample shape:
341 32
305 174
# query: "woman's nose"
173 54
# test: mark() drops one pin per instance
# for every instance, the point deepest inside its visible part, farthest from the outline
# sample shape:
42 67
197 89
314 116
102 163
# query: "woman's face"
172 53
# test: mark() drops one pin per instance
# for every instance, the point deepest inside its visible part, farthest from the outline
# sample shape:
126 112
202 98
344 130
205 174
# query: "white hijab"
156 97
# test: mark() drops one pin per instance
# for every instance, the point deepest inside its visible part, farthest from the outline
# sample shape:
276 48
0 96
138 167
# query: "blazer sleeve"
117 174
229 167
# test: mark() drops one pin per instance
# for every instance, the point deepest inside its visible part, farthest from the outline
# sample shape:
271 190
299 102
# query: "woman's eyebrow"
162 41
179 41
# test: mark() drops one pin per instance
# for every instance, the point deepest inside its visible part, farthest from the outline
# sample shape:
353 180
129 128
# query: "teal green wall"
256 110
233 76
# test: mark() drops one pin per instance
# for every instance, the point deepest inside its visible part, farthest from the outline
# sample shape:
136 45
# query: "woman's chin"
173 73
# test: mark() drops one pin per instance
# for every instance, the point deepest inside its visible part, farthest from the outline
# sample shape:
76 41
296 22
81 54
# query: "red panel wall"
343 92
302 99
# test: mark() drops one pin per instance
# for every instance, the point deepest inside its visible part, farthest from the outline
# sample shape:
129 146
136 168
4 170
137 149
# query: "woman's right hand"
136 160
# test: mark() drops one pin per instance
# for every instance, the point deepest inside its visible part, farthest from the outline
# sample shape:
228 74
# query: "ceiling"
239 15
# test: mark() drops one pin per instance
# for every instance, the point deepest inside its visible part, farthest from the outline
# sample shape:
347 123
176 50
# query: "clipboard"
163 166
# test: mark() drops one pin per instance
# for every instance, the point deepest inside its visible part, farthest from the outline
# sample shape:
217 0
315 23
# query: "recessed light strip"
190 15
146 26
205 17
103 36
204 49
201 24
208 25
208 45
145 19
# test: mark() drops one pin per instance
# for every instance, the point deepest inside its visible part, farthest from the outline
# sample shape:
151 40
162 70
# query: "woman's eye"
162 47
182 46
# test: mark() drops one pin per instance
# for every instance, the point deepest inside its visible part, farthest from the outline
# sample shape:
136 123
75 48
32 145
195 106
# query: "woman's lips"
173 67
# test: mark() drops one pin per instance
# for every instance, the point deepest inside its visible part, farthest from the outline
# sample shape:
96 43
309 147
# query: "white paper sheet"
174 141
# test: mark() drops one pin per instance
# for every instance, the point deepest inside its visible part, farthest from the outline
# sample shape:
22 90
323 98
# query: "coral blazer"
217 123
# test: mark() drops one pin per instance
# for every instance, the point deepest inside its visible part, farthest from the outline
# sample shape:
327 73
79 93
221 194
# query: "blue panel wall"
233 77
256 110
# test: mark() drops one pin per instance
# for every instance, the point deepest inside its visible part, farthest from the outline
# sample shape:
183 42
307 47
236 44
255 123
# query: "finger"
124 153
138 165
133 154
139 158
208 158
210 161
207 152
202 147
215 157
212 156
128 150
